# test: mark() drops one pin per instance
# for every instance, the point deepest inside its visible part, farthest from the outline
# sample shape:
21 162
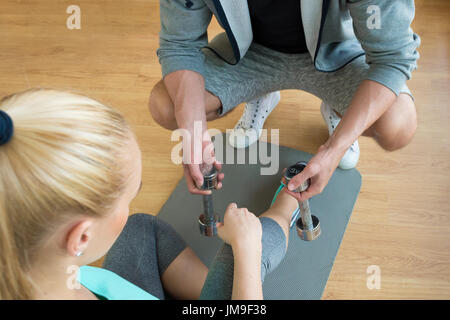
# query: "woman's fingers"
219 225
221 229
230 208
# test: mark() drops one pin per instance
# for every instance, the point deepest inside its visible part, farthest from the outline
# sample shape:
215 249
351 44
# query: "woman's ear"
78 237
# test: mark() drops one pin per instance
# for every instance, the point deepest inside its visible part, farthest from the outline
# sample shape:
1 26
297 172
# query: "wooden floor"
401 221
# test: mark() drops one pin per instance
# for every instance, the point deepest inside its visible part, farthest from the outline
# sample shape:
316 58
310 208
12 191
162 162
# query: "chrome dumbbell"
208 220
308 226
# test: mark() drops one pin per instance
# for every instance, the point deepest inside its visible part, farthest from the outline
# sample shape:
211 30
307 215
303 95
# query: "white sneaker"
249 128
351 156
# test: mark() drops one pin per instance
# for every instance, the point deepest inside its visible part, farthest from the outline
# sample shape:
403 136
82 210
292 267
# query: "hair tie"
6 128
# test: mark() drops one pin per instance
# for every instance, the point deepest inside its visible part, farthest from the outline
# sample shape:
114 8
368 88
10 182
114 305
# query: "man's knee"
161 107
402 124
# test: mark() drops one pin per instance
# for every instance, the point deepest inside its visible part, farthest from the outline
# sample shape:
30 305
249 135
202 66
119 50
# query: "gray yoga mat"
306 267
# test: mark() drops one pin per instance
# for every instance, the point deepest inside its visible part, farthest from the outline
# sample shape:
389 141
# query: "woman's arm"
242 263
242 230
247 283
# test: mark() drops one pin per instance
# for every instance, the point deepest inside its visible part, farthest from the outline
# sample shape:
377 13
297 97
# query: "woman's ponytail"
60 159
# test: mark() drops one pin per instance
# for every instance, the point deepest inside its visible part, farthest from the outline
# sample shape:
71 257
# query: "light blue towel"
110 286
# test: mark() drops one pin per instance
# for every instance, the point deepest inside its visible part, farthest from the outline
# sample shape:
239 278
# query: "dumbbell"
308 226
208 220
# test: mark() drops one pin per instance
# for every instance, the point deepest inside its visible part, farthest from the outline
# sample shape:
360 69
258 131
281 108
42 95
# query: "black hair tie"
6 128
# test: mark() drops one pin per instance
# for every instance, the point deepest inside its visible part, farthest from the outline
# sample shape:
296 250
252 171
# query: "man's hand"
193 170
319 169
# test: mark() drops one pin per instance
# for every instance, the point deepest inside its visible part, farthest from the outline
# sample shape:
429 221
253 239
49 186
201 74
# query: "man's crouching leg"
396 127
162 108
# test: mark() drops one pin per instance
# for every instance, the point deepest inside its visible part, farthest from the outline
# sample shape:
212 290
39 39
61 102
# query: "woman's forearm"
247 284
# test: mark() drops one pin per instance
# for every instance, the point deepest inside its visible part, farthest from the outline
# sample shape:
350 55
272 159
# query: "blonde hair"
61 160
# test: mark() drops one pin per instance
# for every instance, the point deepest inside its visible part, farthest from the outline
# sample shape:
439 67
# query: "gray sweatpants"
263 70
148 245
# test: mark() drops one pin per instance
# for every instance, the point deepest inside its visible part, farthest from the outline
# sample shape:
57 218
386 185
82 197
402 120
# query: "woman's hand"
241 229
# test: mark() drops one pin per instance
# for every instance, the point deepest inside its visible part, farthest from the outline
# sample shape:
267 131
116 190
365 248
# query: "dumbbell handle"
308 226
207 220
305 214
208 209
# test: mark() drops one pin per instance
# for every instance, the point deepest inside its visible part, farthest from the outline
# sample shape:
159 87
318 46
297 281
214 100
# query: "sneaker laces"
250 112
353 146
251 118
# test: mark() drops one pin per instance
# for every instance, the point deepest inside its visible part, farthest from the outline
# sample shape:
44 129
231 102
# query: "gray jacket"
336 32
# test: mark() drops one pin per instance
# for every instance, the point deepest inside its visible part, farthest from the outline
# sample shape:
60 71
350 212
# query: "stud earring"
79 253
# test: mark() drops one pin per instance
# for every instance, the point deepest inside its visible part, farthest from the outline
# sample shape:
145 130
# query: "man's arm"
391 55
370 101
183 34
186 89
390 46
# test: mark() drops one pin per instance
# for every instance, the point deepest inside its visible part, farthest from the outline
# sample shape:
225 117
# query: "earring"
79 253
